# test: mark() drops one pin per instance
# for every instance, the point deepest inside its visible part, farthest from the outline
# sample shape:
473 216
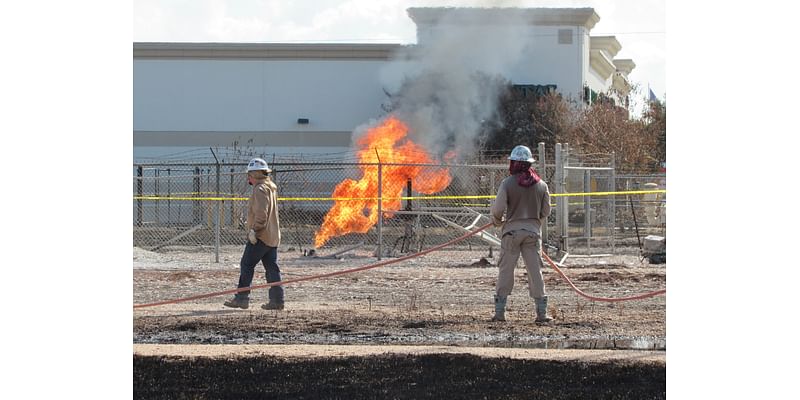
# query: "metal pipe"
409 205
635 224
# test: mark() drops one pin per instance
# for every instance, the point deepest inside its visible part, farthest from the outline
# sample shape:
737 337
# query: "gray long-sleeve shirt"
525 208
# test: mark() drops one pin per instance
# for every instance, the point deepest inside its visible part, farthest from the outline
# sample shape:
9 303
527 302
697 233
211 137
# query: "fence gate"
585 223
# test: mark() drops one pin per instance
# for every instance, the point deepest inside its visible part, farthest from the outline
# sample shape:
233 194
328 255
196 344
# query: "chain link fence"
591 219
606 223
202 206
642 215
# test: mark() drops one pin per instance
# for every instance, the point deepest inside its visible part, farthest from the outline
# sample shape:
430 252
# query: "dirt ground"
440 301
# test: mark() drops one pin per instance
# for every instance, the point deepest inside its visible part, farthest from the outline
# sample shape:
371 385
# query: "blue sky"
639 25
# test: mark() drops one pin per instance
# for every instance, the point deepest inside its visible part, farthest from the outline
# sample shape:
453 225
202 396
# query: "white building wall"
545 61
172 95
263 95
536 58
596 82
208 101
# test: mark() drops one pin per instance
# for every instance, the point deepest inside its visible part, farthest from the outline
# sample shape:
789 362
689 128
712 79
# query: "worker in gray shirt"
525 200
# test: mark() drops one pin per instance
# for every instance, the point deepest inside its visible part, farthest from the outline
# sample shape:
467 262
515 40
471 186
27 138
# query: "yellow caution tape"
632 192
197 198
607 193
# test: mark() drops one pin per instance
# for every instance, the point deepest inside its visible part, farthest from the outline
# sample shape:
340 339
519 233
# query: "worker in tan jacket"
525 200
263 237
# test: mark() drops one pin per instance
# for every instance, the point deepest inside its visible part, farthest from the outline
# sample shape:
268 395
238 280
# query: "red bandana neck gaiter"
526 175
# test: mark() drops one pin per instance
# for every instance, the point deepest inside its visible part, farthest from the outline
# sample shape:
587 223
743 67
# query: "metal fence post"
543 173
157 205
196 188
613 201
233 202
492 184
565 202
218 210
380 209
169 196
139 175
559 188
219 214
587 209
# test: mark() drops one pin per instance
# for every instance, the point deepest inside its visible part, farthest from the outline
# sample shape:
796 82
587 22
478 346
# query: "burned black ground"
439 376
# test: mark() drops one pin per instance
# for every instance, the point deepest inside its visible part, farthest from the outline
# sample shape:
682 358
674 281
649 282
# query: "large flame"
357 211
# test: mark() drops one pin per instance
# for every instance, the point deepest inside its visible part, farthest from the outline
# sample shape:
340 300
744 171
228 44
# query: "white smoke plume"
435 86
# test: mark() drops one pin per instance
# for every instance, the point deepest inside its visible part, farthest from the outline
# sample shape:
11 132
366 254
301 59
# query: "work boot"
238 302
272 305
541 310
499 308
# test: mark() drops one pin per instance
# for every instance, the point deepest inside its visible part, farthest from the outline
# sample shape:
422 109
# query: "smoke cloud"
448 84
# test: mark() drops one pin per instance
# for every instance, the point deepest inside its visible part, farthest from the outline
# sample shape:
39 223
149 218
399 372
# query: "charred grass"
441 376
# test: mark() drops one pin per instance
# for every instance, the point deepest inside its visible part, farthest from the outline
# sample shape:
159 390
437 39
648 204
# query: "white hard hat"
258 164
521 153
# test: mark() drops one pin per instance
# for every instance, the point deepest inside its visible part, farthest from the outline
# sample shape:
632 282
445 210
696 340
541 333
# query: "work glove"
252 237
497 222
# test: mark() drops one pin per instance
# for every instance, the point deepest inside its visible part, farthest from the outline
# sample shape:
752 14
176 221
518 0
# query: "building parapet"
624 66
290 51
585 17
609 44
601 64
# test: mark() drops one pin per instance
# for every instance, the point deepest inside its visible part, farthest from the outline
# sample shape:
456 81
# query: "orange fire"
357 209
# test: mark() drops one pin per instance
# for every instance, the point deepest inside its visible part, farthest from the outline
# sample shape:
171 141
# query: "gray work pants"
529 244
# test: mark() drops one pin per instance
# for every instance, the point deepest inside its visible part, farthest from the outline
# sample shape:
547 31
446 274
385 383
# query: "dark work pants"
253 253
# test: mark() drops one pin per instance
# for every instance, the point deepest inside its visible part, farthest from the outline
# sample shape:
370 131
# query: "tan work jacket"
262 212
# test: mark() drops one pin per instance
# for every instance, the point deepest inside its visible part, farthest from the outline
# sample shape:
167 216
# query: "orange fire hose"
320 276
384 263
595 298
